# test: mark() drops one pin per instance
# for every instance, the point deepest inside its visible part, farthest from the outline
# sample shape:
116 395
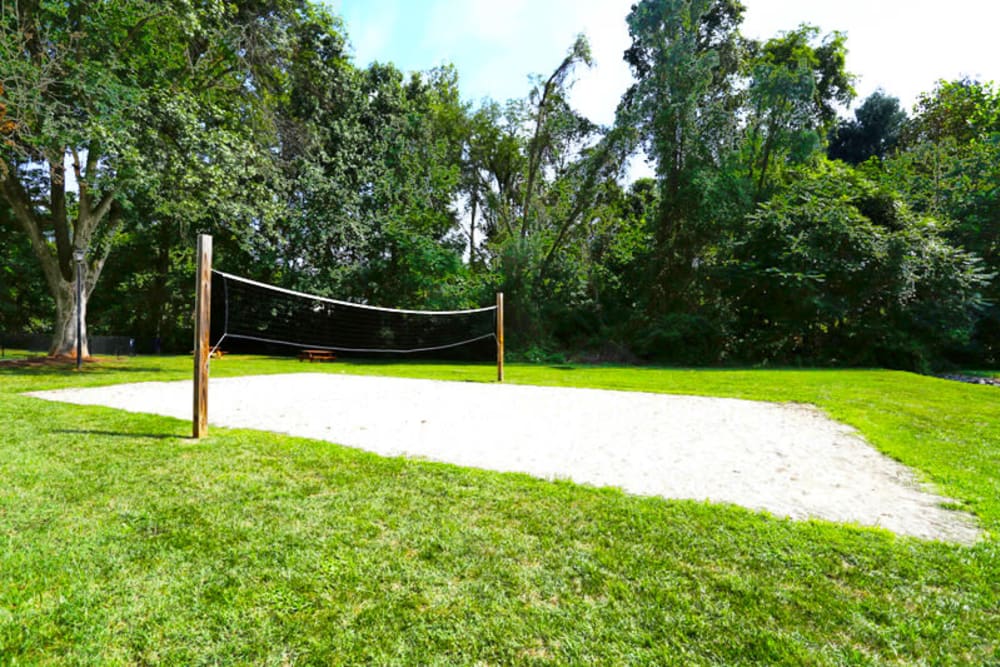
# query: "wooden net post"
202 325
499 336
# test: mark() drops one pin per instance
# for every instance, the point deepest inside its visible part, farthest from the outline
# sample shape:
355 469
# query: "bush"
837 271
679 338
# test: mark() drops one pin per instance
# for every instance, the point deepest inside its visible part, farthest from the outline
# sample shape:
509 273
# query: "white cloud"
900 46
371 39
597 91
497 45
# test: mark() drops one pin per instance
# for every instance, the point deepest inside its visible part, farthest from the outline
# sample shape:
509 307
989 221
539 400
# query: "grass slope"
122 541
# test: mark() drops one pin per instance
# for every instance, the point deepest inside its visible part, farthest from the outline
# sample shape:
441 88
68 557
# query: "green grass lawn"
123 541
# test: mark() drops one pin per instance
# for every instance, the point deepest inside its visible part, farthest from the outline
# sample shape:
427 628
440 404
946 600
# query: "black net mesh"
244 310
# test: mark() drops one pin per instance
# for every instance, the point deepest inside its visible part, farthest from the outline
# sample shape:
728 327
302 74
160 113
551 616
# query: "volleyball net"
247 310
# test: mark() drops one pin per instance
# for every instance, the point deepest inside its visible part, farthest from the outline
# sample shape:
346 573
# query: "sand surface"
788 459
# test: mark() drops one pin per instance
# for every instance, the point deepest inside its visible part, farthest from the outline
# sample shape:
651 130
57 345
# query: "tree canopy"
875 131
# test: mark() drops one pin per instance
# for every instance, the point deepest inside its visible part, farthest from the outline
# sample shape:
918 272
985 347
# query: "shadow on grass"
121 434
394 360
70 369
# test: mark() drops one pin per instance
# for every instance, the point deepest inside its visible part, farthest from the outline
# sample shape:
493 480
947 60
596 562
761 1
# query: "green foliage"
875 131
420 272
542 180
373 173
686 56
22 293
680 338
835 270
620 247
949 168
162 108
962 110
148 285
794 87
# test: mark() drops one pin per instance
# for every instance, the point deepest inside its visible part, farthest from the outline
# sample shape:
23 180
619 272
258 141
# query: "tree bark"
537 146
472 230
56 259
64 335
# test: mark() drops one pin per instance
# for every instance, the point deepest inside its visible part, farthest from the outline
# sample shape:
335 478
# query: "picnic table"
317 355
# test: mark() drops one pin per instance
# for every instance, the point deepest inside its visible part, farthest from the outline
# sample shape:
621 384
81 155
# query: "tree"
875 130
257 192
686 57
616 253
836 269
962 110
949 166
793 92
416 258
535 173
101 96
548 100
374 165
492 167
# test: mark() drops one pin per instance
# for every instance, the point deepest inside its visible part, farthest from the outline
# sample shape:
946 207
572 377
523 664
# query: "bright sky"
902 46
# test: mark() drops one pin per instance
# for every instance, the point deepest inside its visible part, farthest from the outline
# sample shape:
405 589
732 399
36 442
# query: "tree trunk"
55 250
64 335
472 231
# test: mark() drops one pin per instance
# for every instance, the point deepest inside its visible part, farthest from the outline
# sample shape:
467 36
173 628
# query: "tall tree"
373 163
492 166
100 96
539 172
948 166
875 130
686 57
794 89
550 107
250 203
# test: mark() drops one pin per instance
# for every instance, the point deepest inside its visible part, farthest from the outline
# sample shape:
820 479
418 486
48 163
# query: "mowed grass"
124 542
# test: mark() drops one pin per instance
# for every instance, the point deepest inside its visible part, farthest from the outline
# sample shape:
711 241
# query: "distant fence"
29 342
119 346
